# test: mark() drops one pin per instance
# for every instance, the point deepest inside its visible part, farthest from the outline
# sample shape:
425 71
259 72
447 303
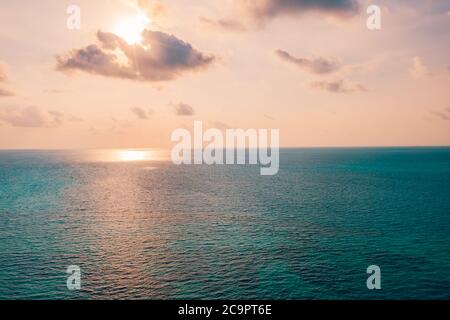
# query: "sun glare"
133 155
130 29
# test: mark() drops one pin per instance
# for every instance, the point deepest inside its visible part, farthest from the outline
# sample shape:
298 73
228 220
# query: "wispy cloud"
33 117
4 78
152 8
316 66
444 115
6 93
29 117
75 119
3 75
338 86
160 57
141 113
182 109
419 70
53 91
223 24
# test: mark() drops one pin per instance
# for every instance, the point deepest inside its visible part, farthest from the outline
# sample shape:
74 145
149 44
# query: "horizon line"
281 148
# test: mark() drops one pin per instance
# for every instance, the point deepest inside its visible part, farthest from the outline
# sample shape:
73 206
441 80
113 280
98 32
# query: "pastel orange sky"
137 70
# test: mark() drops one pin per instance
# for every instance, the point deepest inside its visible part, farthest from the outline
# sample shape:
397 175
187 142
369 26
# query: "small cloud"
4 78
419 70
444 115
141 113
223 24
53 91
316 66
6 93
182 109
3 75
34 117
29 117
221 125
75 119
57 117
159 57
338 86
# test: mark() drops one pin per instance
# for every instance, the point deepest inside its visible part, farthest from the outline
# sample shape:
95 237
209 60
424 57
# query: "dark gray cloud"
182 109
317 66
160 57
338 86
263 10
141 113
255 14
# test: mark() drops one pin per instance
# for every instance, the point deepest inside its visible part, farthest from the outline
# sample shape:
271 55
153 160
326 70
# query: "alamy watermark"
374 280
74 19
374 20
229 148
74 278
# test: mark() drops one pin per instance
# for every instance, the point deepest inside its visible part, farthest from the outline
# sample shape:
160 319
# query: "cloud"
75 119
4 78
141 113
223 24
263 10
160 57
419 70
182 109
57 117
316 66
3 75
221 125
153 9
338 86
444 115
255 14
5 93
53 91
30 117
33 117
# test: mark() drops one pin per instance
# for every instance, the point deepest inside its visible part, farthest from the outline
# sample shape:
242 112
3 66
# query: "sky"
136 70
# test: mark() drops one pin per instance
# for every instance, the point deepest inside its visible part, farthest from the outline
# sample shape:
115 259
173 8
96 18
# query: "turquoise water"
152 230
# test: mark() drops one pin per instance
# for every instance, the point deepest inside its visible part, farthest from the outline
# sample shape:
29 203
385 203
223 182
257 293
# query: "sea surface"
143 228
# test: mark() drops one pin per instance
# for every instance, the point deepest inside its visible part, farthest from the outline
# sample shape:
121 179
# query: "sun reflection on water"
125 155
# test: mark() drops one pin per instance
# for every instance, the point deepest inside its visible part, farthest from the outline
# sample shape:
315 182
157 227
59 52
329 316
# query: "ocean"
143 228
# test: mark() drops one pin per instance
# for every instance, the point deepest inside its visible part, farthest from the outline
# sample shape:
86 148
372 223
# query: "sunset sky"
137 70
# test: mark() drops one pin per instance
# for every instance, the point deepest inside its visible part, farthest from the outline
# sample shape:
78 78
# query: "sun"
130 29
133 155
